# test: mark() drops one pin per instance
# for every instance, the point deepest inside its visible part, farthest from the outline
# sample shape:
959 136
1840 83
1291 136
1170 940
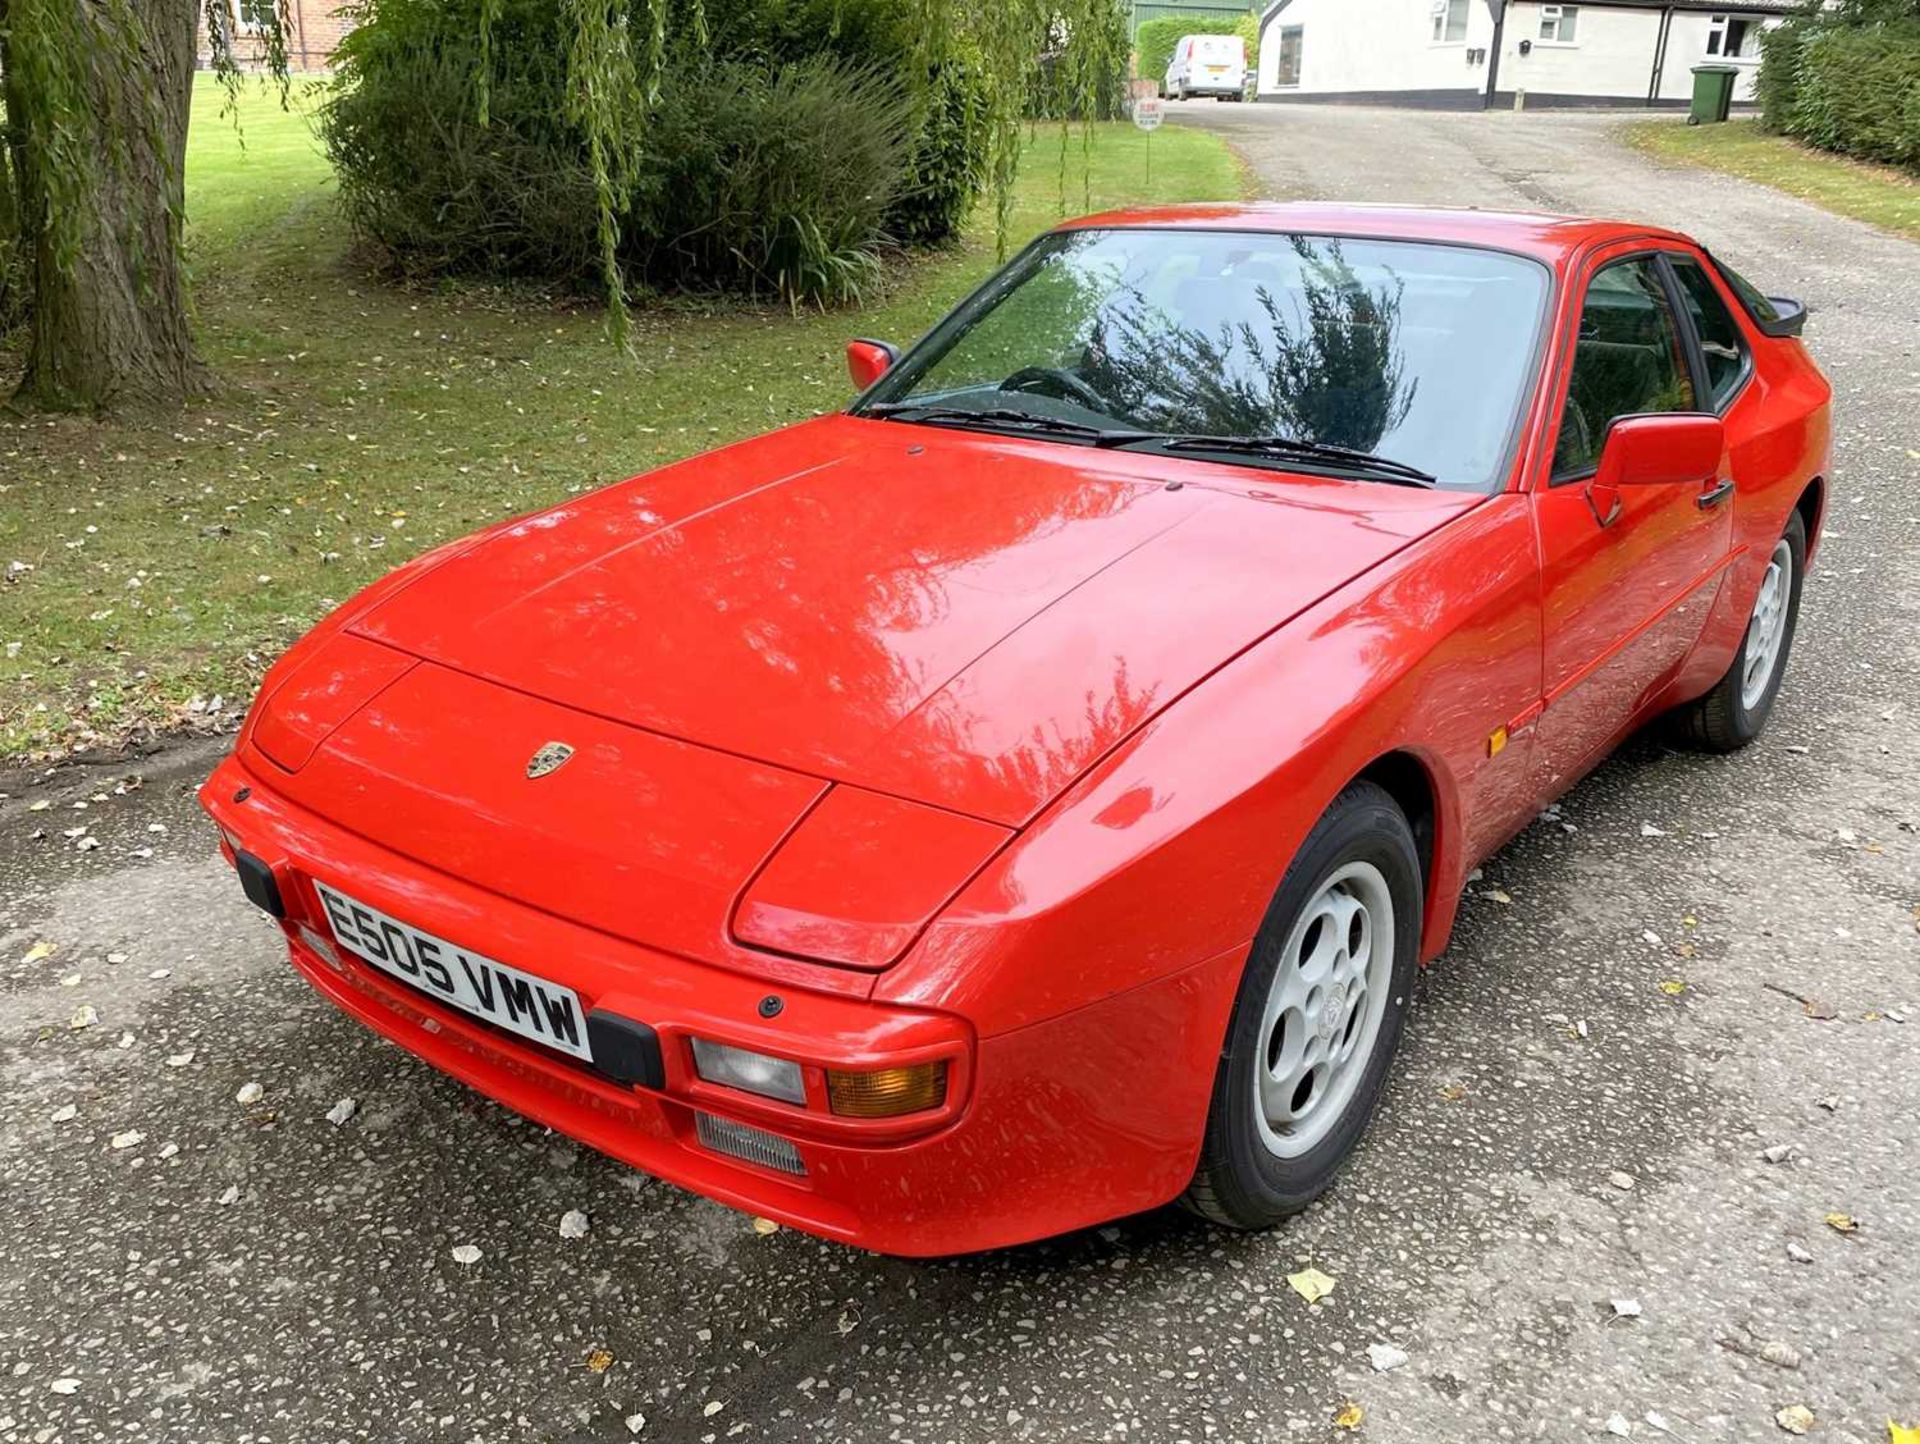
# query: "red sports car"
1023 798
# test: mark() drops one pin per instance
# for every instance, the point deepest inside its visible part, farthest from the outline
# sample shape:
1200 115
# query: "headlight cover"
860 878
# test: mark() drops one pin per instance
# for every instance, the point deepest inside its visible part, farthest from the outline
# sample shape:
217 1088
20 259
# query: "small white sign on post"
1149 111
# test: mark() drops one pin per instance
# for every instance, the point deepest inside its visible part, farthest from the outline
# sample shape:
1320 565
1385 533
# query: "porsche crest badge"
551 757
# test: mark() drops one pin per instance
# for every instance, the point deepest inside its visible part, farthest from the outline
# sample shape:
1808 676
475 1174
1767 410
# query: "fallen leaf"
1795 1418
1821 1011
1902 1433
599 1361
1672 987
37 952
764 1226
1843 1223
466 1253
1311 1284
1350 1416
1495 894
84 1016
1454 1092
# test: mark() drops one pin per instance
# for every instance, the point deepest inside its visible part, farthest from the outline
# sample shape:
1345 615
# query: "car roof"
1546 236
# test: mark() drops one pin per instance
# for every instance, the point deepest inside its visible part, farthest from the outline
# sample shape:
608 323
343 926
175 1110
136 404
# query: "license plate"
520 1002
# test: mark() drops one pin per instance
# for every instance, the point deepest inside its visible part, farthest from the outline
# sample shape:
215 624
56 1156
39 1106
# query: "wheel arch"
1812 506
1423 790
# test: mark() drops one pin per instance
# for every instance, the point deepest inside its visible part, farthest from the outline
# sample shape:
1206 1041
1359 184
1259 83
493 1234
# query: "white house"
1469 54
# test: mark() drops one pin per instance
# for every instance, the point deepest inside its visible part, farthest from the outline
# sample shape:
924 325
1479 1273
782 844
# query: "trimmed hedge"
1854 90
1153 42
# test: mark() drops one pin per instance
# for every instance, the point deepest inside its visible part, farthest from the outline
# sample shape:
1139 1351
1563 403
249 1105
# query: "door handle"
1714 494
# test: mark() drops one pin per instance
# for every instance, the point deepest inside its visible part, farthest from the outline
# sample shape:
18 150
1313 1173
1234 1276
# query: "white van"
1207 65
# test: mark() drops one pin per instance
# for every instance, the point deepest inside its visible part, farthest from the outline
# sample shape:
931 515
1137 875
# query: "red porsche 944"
1023 797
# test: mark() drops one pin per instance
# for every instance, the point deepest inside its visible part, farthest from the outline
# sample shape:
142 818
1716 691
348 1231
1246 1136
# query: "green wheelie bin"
1712 94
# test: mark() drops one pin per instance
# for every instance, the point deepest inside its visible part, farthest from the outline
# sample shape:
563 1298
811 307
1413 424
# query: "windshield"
1415 353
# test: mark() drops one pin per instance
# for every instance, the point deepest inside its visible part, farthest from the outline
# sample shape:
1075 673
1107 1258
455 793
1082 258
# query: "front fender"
1169 851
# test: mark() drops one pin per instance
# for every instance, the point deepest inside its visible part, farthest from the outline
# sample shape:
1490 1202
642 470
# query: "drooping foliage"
765 146
95 99
1847 79
96 96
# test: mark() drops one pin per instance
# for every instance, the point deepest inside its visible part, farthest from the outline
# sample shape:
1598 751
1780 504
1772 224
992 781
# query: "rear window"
1217 48
1758 306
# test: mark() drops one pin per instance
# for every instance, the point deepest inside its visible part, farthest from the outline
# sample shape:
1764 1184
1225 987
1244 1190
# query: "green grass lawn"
359 424
1879 195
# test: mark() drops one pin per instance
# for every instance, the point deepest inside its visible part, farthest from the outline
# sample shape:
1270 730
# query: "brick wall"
314 27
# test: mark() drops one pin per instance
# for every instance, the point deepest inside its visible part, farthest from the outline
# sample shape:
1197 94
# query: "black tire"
1721 721
1240 1182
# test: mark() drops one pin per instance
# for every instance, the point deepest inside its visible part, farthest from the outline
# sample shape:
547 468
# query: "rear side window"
1720 339
1627 361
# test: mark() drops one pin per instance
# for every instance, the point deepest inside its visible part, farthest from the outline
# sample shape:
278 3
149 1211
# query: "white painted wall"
1611 53
1384 45
1375 45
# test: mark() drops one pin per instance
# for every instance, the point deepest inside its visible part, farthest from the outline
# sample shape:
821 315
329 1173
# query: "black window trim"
1696 352
1689 348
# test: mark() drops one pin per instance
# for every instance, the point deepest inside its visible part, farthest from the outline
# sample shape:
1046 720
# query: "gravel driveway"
1568 1127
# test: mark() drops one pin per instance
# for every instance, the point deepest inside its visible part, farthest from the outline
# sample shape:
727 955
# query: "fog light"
751 1145
888 1092
751 1072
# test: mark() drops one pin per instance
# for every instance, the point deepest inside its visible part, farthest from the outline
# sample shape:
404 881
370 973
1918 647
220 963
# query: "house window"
1556 23
1729 36
1449 21
1289 67
252 17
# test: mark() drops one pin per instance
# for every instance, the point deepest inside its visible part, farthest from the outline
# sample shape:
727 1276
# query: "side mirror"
1670 449
1663 450
868 361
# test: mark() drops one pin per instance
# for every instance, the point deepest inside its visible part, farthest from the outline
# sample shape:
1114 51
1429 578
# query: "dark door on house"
1289 68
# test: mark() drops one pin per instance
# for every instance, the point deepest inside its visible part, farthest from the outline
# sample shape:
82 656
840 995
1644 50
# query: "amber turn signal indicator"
887 1092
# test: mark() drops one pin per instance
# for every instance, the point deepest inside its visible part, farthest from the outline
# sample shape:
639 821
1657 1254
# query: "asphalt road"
1562 1133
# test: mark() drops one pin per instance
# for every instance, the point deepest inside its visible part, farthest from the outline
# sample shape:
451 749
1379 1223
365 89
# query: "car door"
1628 575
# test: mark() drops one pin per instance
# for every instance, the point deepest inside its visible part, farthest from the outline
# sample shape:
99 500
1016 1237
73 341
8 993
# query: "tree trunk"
110 321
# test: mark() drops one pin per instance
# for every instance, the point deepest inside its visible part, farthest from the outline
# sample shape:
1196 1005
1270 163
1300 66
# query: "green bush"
1847 79
779 159
774 184
947 165
1778 81
1858 93
1153 42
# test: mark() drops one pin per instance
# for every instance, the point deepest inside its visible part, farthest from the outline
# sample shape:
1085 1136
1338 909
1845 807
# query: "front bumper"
1044 1129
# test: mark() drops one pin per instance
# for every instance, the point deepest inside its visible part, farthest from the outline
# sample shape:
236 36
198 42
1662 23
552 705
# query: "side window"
1627 361
1720 339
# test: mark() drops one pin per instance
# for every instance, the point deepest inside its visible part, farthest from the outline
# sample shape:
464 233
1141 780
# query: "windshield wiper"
1290 448
1001 417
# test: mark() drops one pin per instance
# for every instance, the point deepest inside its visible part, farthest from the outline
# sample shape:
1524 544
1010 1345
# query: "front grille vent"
750 1145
